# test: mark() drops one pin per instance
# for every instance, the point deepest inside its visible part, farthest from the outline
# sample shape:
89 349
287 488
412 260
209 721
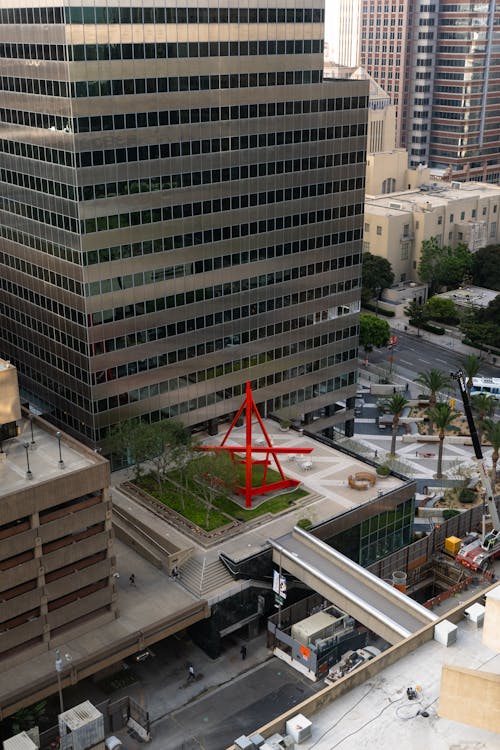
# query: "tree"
395 405
441 309
131 440
492 434
484 406
486 267
443 266
417 314
442 416
481 325
471 366
373 331
214 473
377 275
169 441
433 380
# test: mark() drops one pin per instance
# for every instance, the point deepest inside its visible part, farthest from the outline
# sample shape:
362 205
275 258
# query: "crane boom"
492 539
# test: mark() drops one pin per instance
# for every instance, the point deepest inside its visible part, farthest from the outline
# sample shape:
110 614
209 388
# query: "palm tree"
492 434
442 415
483 404
471 366
395 405
433 380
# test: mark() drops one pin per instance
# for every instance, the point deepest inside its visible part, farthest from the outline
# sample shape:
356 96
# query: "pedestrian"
131 580
191 674
175 572
243 652
407 387
376 454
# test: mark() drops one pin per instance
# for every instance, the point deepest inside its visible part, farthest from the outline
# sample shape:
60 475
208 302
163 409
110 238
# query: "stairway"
201 577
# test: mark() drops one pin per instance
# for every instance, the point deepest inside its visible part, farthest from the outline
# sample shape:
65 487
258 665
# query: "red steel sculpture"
249 407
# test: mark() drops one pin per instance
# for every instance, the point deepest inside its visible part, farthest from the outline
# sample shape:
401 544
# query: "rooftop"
431 196
377 714
474 296
38 443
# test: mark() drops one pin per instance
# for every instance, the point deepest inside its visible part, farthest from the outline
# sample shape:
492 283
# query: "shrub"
430 328
466 495
383 471
304 523
380 310
450 512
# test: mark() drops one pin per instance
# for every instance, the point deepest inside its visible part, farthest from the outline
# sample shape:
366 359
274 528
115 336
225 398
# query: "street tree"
417 314
441 309
486 267
483 405
471 365
373 331
395 405
433 381
442 416
376 276
443 266
492 435
169 441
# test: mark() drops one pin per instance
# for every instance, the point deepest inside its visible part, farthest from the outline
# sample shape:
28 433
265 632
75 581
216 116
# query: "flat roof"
434 197
471 295
43 456
378 714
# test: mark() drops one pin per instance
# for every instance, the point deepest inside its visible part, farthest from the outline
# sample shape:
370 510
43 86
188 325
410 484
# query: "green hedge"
481 347
428 327
373 308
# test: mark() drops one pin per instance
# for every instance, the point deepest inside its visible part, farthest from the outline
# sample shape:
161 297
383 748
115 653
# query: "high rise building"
181 211
439 62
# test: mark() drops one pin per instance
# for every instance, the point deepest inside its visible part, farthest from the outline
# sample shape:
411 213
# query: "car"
143 655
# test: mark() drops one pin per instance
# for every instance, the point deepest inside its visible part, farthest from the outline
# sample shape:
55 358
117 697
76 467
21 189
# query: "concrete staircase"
201 577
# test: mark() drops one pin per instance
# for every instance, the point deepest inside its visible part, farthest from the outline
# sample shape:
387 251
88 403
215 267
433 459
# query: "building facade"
56 548
439 62
181 212
396 225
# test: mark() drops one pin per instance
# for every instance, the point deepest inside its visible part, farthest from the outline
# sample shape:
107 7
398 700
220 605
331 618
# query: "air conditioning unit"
456 185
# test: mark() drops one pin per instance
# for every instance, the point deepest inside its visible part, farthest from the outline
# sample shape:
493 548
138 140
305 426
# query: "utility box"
445 632
21 741
452 544
244 743
299 728
318 626
81 728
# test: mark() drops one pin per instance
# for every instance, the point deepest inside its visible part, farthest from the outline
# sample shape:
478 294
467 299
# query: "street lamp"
59 667
32 436
60 462
29 474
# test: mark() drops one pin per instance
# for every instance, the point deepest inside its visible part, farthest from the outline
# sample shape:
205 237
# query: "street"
415 354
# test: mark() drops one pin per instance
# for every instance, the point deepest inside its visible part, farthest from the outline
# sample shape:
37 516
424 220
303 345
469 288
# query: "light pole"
29 474
32 436
59 668
60 462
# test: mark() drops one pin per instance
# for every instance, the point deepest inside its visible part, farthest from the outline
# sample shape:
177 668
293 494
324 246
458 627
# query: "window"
452 218
462 215
379 230
440 220
367 227
473 214
493 229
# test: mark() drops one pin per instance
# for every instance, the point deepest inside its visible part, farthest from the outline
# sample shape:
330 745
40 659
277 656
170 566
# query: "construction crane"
477 554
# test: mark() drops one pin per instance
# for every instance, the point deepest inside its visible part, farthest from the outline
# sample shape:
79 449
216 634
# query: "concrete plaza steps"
201 577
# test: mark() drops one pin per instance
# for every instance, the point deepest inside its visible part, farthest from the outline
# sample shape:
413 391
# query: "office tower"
56 546
342 27
181 212
439 62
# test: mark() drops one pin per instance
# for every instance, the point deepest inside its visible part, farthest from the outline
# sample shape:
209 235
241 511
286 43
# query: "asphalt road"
214 722
413 355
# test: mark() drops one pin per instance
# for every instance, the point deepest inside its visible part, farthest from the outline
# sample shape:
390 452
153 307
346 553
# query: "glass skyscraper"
180 211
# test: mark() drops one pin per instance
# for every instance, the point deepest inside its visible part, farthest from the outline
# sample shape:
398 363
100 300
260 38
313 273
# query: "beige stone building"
56 545
396 225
